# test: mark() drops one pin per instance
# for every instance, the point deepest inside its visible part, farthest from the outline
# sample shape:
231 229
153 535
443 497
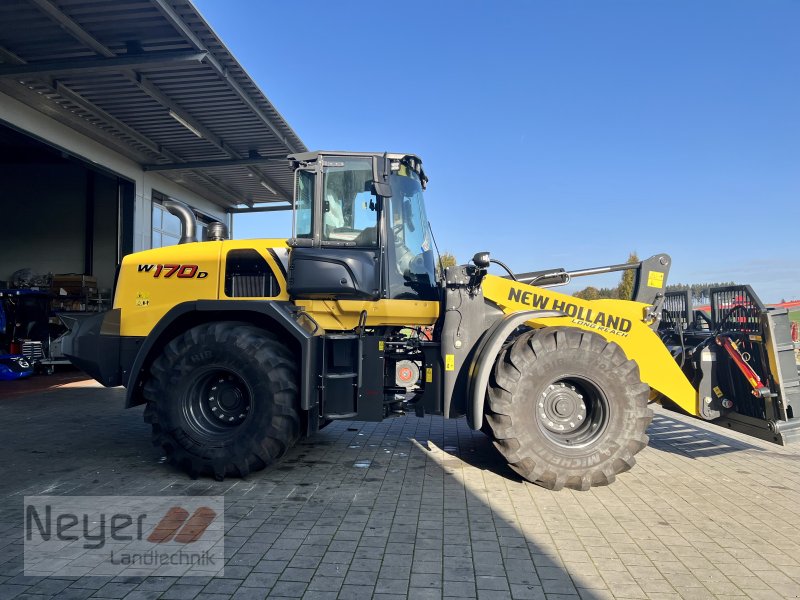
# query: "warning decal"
655 279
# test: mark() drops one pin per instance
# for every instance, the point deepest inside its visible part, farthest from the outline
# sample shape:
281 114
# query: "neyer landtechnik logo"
144 535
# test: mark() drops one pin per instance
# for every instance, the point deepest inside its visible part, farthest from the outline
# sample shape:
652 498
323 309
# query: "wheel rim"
572 412
217 403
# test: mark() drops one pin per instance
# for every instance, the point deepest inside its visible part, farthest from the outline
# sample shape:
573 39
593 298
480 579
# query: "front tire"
222 399
565 407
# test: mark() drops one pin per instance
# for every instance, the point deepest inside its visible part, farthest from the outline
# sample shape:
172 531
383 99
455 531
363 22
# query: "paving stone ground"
423 508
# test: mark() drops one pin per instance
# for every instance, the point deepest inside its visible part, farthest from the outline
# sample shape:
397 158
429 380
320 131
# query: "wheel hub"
562 408
227 400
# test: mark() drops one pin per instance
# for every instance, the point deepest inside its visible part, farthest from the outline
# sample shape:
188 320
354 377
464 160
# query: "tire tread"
249 453
507 426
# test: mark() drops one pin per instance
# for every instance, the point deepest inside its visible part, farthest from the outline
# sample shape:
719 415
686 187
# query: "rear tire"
222 399
566 407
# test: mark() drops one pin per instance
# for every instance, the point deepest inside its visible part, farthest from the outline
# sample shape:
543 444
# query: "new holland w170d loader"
239 348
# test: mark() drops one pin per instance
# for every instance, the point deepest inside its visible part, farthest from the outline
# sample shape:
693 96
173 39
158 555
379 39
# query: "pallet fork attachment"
741 360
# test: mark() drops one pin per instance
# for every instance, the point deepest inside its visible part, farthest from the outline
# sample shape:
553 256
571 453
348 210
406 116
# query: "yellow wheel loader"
239 348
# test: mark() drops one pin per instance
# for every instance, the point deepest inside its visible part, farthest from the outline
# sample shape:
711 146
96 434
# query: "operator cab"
359 228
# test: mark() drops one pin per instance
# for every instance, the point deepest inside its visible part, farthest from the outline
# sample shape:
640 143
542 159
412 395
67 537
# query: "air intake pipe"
187 218
217 232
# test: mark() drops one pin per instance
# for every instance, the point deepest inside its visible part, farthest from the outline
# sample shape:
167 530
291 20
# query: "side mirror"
481 260
380 188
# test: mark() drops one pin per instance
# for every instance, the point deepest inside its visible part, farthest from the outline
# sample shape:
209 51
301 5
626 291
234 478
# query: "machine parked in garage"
238 348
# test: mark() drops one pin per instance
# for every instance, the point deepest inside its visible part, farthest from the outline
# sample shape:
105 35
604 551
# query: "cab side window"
304 204
349 209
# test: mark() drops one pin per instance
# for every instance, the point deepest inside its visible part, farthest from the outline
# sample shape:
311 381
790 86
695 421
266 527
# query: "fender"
486 353
283 313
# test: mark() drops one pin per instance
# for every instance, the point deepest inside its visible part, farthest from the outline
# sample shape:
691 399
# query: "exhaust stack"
187 218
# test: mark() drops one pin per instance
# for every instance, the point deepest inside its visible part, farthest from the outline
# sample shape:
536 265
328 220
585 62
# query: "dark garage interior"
68 214
67 225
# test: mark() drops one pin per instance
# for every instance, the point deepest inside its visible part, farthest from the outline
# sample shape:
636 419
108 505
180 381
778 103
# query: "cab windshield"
414 264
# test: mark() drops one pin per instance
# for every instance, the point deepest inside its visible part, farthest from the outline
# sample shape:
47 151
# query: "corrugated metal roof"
141 76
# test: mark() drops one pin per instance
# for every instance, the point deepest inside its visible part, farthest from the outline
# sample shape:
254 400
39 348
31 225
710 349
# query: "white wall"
35 123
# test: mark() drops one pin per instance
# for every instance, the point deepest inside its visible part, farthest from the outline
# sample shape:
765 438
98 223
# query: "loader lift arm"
651 275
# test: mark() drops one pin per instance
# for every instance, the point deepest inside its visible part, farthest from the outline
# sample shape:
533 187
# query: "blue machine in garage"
14 366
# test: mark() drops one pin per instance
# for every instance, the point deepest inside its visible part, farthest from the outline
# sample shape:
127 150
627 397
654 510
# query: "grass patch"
794 315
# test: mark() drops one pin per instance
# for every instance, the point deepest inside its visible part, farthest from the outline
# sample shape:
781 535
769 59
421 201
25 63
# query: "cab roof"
416 161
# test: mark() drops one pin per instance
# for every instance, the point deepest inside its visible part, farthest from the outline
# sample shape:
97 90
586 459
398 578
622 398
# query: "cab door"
336 243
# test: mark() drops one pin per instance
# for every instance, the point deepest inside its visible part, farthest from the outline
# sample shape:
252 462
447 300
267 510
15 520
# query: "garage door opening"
66 226
61 215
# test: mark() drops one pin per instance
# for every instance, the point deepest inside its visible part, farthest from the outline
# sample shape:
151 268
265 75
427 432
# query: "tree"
625 289
445 260
593 293
589 293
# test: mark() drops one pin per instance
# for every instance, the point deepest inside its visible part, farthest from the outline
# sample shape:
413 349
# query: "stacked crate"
73 292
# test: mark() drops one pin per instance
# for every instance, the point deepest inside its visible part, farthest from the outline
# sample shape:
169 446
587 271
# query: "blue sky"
557 133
